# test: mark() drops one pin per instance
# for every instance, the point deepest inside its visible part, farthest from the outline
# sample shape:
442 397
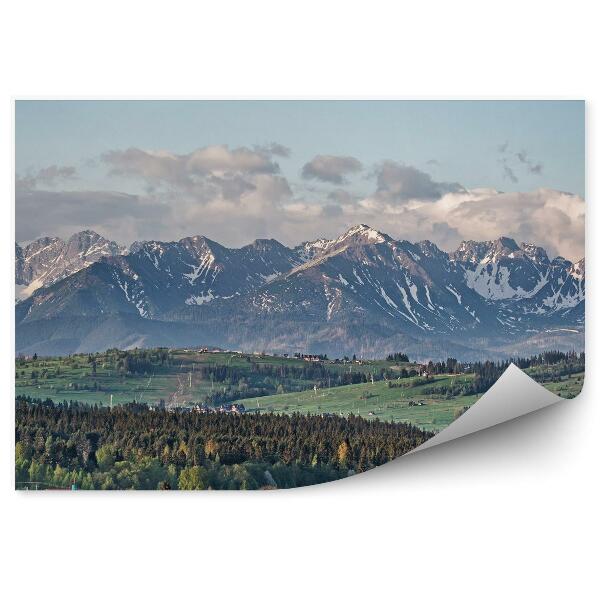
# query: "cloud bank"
187 171
237 195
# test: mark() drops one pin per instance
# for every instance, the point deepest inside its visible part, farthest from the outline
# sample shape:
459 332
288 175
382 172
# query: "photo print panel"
273 294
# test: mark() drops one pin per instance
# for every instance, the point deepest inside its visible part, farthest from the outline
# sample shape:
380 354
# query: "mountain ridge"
49 259
363 285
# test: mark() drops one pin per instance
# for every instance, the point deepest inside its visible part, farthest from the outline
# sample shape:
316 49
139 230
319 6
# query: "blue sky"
389 162
461 136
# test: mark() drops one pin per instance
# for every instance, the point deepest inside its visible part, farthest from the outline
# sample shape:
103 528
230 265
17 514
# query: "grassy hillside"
567 387
429 410
264 384
179 376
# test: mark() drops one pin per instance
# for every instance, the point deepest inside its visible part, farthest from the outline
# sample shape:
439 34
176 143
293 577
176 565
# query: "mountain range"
362 293
46 260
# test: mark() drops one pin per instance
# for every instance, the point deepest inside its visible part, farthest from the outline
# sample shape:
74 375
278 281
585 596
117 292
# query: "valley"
429 396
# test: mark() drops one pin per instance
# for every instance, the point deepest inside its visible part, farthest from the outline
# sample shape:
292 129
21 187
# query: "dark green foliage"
397 357
132 447
544 367
217 378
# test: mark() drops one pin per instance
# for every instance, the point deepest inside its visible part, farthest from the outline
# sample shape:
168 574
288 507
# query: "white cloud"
190 171
549 218
235 196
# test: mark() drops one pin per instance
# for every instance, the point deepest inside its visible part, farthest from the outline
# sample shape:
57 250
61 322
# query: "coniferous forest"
132 447
173 427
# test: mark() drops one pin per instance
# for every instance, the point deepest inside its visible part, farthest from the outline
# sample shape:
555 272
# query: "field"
179 380
568 387
427 410
73 380
264 384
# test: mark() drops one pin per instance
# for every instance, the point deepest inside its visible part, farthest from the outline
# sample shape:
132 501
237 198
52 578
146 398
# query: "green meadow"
179 377
418 405
179 380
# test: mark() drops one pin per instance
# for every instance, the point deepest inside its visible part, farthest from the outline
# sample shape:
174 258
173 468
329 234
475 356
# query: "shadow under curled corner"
513 395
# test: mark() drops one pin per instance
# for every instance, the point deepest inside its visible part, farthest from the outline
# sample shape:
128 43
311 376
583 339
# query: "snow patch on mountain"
24 291
455 294
394 286
48 260
358 277
271 277
428 296
133 296
200 269
389 301
201 299
492 282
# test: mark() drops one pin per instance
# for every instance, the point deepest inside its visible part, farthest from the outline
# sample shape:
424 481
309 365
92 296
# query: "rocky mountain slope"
47 260
362 293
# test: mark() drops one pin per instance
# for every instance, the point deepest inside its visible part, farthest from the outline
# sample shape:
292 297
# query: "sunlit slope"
422 405
179 380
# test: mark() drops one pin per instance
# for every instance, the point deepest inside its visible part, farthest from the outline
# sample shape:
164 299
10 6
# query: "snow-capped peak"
363 232
578 269
47 260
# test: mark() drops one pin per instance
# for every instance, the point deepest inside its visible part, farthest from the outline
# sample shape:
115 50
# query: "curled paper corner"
513 395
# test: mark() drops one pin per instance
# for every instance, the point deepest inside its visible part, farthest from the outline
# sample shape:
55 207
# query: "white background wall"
511 512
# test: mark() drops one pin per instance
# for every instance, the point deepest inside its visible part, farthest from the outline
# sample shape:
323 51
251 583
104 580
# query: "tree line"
488 372
549 358
132 447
